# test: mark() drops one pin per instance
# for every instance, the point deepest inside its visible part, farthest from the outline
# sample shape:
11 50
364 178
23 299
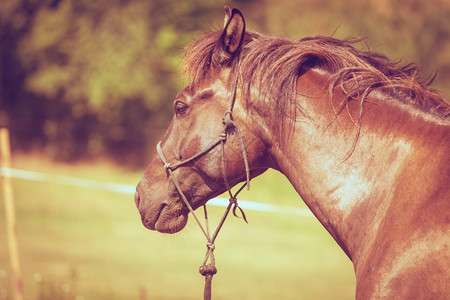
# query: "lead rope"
209 270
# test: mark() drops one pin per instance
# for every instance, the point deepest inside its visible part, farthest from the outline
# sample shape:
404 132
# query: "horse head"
207 113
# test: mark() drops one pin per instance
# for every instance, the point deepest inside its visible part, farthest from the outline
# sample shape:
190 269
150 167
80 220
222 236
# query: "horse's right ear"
232 36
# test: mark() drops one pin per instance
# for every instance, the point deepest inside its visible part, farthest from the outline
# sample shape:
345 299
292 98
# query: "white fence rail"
130 190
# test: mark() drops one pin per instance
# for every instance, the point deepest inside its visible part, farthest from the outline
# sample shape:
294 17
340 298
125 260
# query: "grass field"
81 244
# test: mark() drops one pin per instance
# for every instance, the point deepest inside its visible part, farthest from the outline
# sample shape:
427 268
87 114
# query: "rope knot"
208 270
210 246
223 136
227 119
167 166
233 201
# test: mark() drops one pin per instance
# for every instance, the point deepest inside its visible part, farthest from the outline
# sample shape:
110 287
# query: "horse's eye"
180 108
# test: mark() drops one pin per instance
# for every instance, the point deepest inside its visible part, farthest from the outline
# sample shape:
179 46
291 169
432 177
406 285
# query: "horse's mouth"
166 218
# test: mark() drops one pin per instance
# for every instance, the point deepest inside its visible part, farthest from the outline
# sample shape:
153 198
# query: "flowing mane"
273 65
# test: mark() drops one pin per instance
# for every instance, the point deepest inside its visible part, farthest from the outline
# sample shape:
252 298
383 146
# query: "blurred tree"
419 30
95 78
406 30
19 109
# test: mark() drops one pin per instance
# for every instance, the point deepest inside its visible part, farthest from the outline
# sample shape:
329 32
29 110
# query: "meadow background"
86 90
78 243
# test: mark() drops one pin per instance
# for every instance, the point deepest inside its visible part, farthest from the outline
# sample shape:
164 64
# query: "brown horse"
362 140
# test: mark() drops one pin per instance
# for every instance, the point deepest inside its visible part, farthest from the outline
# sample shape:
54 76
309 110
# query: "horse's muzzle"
137 198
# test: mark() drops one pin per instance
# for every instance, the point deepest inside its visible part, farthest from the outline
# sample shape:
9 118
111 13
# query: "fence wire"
131 189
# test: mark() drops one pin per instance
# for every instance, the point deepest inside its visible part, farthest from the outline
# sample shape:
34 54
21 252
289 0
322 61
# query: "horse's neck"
348 194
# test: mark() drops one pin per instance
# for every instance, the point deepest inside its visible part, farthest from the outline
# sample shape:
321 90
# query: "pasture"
78 243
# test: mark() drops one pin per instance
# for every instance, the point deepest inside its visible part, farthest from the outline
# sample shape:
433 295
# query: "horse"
363 140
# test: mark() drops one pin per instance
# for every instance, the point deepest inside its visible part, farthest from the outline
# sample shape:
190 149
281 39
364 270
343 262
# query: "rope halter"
208 270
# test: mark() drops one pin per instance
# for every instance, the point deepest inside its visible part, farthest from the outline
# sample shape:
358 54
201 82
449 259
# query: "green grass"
80 244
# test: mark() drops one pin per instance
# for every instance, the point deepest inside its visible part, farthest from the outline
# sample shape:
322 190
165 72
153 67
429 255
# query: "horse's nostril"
137 198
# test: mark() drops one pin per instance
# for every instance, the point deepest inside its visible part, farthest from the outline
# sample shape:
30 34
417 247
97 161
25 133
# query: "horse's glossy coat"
363 142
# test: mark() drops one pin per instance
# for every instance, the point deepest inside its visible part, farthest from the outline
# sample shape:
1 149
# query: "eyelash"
180 108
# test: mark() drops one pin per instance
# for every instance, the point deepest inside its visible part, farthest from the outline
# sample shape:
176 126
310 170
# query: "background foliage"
81 78
89 79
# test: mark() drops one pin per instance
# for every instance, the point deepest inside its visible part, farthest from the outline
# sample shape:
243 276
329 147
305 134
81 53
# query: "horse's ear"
227 16
232 36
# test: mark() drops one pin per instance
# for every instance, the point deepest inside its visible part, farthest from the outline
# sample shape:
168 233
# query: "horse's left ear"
227 16
232 36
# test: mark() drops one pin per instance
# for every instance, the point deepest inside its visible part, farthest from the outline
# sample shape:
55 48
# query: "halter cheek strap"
208 270
229 124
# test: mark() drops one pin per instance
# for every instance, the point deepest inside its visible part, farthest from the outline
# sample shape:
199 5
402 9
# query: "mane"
272 65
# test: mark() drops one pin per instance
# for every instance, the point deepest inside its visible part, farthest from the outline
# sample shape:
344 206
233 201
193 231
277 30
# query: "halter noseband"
208 270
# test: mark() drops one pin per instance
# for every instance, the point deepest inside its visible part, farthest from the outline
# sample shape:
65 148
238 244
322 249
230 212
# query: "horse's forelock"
197 57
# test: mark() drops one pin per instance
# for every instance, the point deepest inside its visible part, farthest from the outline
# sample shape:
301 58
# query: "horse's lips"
150 221
166 219
172 225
